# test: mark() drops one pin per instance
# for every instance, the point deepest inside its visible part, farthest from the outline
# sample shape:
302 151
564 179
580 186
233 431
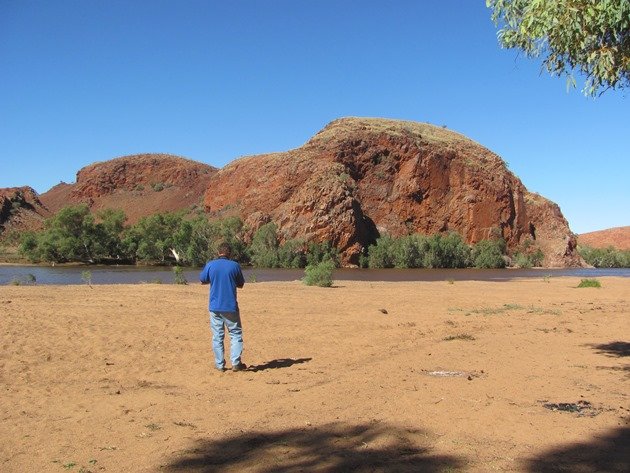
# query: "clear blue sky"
90 80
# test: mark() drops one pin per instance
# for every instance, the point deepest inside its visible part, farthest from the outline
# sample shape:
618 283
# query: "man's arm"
204 275
240 280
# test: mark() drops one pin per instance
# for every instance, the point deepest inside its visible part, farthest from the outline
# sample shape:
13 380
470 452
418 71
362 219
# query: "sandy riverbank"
454 377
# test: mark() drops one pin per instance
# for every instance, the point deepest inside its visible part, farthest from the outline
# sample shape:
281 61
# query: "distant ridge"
21 210
617 237
140 185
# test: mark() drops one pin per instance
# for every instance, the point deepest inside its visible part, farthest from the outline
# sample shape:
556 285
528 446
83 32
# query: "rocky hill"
140 185
361 178
618 237
20 209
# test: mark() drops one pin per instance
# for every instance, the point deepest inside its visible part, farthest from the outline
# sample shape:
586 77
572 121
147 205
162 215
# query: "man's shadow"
279 363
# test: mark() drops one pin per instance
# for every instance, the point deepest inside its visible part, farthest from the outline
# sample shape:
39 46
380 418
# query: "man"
224 277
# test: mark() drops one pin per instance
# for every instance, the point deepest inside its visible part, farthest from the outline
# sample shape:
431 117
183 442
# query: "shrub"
318 252
264 247
446 251
319 274
406 252
589 283
86 277
521 260
605 257
537 257
291 254
489 254
380 254
180 278
266 251
15 207
418 251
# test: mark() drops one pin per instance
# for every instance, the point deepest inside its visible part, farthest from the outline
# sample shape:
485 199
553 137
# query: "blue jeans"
218 322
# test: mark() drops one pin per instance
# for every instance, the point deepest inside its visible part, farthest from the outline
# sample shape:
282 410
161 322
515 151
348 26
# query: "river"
18 274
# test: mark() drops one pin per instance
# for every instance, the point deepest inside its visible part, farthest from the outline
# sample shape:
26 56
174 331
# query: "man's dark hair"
224 249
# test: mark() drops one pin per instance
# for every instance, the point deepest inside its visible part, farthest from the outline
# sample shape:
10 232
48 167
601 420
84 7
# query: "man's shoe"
219 369
239 367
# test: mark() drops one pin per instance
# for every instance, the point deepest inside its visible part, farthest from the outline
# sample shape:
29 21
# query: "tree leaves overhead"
589 36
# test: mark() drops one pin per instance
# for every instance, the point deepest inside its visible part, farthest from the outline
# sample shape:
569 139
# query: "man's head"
224 249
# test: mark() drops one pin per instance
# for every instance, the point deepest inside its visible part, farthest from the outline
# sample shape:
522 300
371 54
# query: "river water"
14 274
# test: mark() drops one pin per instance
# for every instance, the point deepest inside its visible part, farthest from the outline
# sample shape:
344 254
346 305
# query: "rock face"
360 178
140 185
21 209
618 237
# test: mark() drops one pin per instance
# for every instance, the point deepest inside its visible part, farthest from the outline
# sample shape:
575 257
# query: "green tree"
264 247
292 254
419 251
74 235
71 235
445 251
230 230
380 254
489 254
407 251
318 252
109 233
29 246
590 36
155 237
199 238
605 257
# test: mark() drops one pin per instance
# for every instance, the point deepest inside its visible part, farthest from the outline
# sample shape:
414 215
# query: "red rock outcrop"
140 185
360 178
21 209
618 237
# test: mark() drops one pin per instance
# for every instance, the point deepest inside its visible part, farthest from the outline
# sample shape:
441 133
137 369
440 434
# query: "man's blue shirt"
224 276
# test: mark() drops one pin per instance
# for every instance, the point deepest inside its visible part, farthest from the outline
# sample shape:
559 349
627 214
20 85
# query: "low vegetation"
86 277
445 251
605 257
319 274
589 283
507 309
75 235
462 336
179 276
418 251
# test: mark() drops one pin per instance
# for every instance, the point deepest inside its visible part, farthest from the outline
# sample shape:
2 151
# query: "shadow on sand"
616 349
279 363
337 447
609 453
